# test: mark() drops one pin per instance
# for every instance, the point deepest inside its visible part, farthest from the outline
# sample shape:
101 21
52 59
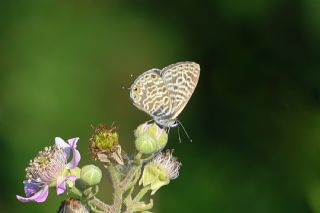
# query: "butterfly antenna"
128 88
168 130
149 121
125 88
179 134
190 139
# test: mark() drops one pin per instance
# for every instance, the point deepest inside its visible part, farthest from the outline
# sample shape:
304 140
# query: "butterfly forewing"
149 94
180 79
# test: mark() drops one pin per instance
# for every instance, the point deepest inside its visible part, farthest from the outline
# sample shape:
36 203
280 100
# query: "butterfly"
163 94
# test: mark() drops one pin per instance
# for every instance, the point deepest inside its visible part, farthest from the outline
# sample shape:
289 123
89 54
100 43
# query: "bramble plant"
131 178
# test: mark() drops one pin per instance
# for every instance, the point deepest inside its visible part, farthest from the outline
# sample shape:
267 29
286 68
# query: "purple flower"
50 168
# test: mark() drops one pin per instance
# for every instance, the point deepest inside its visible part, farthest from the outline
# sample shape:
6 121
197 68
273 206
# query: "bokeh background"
254 117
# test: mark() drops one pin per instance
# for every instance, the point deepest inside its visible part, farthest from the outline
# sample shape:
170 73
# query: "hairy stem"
113 175
141 193
117 194
95 203
134 168
131 178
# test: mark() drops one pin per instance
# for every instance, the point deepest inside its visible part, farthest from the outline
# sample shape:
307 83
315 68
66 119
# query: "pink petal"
61 143
144 127
68 147
73 142
73 178
39 197
61 183
159 131
76 157
30 188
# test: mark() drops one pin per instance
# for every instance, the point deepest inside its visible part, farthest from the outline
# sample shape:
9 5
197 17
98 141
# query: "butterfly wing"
149 94
180 79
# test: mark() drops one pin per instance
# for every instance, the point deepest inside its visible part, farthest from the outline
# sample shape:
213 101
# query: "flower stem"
75 192
141 193
113 175
117 194
95 203
134 168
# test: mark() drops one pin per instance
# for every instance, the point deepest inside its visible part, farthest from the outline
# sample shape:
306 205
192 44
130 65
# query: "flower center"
47 165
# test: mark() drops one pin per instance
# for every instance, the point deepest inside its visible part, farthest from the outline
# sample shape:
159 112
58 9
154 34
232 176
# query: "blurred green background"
254 117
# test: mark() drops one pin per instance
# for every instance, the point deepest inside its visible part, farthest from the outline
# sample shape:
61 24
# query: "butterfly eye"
137 90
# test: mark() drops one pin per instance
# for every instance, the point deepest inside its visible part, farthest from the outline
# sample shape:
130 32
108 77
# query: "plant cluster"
132 178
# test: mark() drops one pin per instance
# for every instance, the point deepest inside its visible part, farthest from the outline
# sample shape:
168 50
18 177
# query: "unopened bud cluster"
150 138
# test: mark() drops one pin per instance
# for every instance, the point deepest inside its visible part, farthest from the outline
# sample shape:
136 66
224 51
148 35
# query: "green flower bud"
163 168
146 144
90 175
150 138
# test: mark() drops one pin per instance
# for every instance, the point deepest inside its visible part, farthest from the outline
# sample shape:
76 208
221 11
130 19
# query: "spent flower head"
72 206
157 173
104 144
51 168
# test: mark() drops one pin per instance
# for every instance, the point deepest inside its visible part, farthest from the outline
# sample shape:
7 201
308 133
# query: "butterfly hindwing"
181 79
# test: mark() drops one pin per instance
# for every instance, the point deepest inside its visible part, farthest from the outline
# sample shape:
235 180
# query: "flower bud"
72 206
90 175
150 138
157 173
146 144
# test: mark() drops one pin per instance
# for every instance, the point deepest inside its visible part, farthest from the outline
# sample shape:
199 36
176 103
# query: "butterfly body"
163 94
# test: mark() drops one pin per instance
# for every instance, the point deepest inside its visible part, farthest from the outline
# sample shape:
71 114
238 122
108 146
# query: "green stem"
117 194
138 156
95 203
141 193
135 167
75 192
113 175
131 178
134 181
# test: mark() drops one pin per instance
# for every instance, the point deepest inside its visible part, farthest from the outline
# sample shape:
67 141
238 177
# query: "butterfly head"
135 92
